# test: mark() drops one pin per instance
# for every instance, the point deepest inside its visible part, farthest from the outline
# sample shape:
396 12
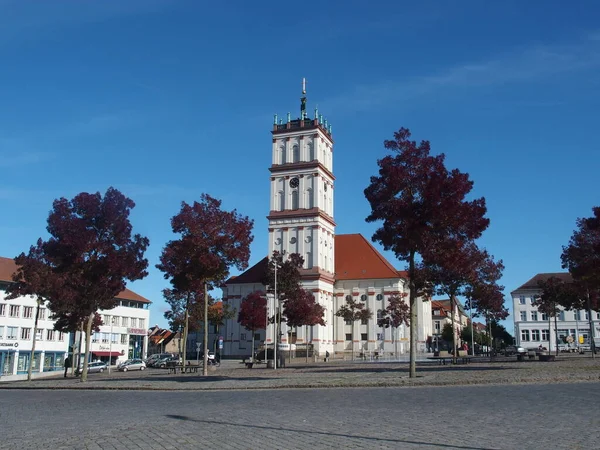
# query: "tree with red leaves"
212 241
455 267
253 313
421 204
302 309
554 293
33 277
582 258
395 314
354 311
92 253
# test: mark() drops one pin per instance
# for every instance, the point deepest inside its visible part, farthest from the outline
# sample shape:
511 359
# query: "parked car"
156 357
514 350
132 364
95 366
162 363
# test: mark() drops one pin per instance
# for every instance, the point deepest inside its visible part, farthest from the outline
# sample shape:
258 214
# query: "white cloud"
536 62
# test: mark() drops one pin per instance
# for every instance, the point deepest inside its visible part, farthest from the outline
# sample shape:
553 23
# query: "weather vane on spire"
303 100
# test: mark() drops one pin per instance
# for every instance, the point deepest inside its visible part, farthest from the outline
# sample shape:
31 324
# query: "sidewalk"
335 374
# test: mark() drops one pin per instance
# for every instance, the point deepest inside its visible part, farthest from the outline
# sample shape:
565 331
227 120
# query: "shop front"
7 362
54 361
109 357
137 337
24 359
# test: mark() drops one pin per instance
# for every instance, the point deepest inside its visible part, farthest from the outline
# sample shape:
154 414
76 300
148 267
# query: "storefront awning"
106 353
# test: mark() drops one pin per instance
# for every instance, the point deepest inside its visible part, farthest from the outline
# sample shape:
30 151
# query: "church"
336 267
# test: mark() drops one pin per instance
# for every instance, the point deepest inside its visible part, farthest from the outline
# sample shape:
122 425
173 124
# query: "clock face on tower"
294 182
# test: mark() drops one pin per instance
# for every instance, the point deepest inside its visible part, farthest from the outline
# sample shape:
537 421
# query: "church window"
348 298
379 297
379 315
363 297
325 265
295 153
311 152
293 240
308 261
295 199
281 155
281 200
309 199
363 336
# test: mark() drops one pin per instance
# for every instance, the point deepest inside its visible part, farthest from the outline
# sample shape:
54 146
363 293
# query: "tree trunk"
556 332
413 315
306 341
454 352
88 338
205 369
251 351
32 355
490 337
352 341
186 329
590 321
395 342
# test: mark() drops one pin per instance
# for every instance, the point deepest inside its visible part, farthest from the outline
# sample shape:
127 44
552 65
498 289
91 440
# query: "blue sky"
165 100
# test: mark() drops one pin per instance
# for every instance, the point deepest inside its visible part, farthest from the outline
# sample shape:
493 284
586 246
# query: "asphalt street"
464 417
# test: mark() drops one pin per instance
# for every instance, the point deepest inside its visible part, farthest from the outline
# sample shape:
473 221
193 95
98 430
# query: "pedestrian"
67 364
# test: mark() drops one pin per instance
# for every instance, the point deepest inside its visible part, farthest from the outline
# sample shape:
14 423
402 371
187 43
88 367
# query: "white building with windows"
301 220
532 328
127 337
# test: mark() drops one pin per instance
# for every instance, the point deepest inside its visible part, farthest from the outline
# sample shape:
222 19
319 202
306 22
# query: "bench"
441 357
464 356
189 368
545 356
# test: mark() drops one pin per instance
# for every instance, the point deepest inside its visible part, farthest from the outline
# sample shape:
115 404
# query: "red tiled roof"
253 274
355 259
533 283
8 267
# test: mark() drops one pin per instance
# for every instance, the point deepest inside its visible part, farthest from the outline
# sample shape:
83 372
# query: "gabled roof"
446 307
254 274
8 267
357 259
533 283
437 305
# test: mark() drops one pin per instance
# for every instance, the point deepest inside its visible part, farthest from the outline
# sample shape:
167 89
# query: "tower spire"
303 100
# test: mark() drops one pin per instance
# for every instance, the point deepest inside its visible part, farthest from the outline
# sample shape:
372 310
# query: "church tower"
301 207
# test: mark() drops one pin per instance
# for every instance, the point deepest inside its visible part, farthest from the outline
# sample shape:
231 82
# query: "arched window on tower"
295 154
280 201
283 158
308 260
309 199
311 151
295 199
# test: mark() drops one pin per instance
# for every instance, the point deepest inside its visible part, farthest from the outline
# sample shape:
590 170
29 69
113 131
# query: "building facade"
336 267
570 330
125 338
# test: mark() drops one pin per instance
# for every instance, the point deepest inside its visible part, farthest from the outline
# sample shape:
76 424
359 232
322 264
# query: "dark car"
514 350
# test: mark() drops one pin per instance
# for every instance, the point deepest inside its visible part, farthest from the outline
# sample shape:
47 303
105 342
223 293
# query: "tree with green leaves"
354 311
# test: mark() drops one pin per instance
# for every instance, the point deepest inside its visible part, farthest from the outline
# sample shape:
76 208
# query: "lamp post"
276 308
472 334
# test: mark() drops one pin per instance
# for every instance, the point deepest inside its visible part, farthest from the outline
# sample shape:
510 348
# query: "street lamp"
276 308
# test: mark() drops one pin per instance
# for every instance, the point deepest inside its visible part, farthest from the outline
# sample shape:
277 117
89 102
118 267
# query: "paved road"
480 417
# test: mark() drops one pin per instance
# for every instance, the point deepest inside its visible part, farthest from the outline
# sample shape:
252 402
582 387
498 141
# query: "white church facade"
335 266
